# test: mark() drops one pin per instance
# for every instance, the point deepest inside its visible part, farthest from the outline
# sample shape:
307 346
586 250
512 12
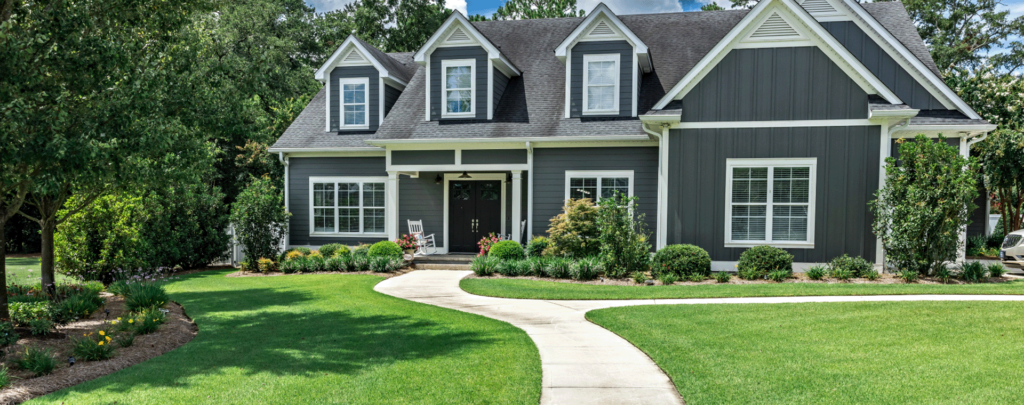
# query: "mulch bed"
396 273
178 330
797 278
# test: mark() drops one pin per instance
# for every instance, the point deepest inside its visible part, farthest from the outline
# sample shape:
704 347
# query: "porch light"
438 179
465 176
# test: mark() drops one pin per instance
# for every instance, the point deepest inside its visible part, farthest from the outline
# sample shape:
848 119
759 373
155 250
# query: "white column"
391 212
529 191
883 153
662 237
517 204
288 227
965 151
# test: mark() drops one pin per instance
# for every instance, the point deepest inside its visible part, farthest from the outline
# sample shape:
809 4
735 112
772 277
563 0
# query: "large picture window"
347 205
459 87
354 102
596 185
770 201
601 84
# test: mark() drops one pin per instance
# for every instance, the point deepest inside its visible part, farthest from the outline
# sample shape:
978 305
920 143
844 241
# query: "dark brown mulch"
797 278
396 273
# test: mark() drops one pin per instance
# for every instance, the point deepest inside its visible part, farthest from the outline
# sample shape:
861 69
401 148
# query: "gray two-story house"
734 128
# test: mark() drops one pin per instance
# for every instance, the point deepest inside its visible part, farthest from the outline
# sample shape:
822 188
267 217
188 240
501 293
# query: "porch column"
517 204
391 212
965 151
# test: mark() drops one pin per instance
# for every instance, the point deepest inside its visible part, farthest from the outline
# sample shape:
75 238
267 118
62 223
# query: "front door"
474 211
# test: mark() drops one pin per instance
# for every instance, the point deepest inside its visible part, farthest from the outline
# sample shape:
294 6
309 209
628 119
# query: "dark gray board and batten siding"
847 178
437 79
422 157
883 66
299 172
390 96
773 84
493 156
372 95
422 199
500 83
625 51
550 165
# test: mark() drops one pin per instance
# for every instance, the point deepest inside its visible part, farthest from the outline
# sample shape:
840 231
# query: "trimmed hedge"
681 260
506 250
758 261
385 248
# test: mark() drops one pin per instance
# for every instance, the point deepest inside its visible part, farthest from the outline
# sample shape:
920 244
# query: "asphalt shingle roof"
894 17
944 117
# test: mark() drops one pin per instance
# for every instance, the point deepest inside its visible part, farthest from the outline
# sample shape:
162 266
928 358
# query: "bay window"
601 84
459 87
347 205
770 201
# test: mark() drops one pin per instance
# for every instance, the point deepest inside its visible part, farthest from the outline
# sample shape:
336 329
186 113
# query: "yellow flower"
101 333
119 318
131 321
108 338
100 343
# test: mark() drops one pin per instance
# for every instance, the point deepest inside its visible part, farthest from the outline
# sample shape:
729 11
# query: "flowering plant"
92 348
406 242
486 242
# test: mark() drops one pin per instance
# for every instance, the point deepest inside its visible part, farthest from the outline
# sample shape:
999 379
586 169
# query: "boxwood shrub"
681 260
758 261
334 249
537 245
385 248
506 250
857 266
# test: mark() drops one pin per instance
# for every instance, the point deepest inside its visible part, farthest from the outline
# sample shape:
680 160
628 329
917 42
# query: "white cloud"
456 5
633 6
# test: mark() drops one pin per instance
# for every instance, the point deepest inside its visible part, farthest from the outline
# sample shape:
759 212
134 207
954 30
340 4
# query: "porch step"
439 266
443 262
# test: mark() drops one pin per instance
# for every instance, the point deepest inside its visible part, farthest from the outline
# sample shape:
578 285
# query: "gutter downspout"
529 192
662 208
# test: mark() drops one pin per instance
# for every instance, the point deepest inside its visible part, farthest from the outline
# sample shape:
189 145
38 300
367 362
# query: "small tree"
1002 158
925 204
573 232
624 243
260 219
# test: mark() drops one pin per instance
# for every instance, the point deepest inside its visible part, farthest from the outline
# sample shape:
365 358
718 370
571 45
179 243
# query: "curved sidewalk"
583 363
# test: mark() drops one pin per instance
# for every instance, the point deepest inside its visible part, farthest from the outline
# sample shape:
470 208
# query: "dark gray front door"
474 210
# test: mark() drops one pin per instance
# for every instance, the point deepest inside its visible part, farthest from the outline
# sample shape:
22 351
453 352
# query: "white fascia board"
904 113
347 149
346 45
846 60
947 127
561 52
457 19
916 63
507 140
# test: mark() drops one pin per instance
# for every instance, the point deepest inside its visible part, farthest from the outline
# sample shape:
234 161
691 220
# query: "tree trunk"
5 313
49 227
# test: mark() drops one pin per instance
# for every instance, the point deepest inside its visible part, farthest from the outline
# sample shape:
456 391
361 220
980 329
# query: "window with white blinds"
347 205
770 201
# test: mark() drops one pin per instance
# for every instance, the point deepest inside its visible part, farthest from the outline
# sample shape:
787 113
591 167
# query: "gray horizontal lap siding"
500 83
437 78
390 96
625 51
422 199
550 164
372 94
299 172
775 84
847 178
493 156
883 66
423 157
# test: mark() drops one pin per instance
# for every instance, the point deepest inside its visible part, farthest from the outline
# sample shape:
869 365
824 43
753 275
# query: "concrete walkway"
583 363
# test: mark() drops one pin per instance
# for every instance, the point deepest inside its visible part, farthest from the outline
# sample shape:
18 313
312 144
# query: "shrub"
38 361
523 268
975 244
90 348
585 268
871 275
7 335
147 321
943 274
265 265
486 242
758 261
506 250
1002 154
40 326
639 277
24 312
816 272
857 266
334 249
385 248
117 287
124 339
504 267
668 278
682 260
74 306
696 277
293 265
920 211
972 272
305 251
144 295
779 276
623 240
537 265
483 265
574 231
908 276
314 263
339 263
361 250
385 264
260 218
841 273
558 267
722 277
996 270
360 263
5 377
537 246
293 254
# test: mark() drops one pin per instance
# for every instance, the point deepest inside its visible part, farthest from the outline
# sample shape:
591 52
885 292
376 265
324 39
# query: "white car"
1012 251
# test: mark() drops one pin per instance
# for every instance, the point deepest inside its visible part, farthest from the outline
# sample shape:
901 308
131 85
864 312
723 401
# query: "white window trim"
614 57
336 180
445 64
812 163
599 174
366 102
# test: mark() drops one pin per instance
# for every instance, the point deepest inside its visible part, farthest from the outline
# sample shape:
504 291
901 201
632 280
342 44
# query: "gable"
774 28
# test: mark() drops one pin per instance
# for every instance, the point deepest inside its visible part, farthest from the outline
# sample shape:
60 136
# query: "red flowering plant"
406 242
486 242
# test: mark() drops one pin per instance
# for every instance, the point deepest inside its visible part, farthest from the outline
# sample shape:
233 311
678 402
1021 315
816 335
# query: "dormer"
604 63
361 84
466 73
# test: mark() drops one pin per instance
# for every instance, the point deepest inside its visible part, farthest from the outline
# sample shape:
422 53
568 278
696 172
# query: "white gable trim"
919 71
336 60
459 21
805 24
602 13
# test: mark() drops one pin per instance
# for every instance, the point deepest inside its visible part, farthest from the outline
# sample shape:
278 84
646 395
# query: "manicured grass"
309 339
552 290
25 270
833 353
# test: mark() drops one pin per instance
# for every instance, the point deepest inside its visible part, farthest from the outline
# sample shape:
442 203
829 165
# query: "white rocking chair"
423 242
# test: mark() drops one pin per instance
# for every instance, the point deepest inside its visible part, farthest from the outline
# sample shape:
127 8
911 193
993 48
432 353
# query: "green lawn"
552 290
25 270
834 353
312 339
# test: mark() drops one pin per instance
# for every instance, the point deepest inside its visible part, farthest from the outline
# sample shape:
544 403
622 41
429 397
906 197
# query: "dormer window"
353 102
459 87
601 84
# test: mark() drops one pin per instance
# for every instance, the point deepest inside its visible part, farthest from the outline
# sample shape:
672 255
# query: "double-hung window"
601 84
354 102
770 201
597 185
347 205
459 87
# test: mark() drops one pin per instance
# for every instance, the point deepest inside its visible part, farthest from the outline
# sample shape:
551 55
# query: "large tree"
529 9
